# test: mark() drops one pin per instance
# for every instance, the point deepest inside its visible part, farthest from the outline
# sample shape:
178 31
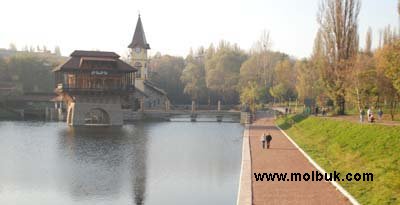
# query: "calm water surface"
145 163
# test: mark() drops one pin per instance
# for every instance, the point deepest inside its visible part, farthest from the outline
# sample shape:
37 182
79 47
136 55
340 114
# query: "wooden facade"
95 86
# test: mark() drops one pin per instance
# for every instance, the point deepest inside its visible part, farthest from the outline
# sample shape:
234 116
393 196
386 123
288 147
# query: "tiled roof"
75 62
81 53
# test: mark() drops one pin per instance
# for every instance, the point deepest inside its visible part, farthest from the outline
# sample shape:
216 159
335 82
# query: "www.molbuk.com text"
314 176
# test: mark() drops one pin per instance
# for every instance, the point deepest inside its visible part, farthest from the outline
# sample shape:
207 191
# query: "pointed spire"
139 38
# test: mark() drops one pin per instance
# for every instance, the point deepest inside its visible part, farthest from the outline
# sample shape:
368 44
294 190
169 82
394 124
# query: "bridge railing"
245 118
205 107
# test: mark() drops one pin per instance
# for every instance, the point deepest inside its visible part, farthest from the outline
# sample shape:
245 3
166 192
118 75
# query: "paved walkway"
284 157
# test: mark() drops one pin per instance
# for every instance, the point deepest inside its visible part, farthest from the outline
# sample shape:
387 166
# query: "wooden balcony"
121 90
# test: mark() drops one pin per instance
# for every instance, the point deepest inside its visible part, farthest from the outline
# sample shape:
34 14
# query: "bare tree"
263 44
398 12
368 42
338 20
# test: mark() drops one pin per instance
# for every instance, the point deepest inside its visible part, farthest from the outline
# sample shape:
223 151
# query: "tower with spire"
138 51
148 95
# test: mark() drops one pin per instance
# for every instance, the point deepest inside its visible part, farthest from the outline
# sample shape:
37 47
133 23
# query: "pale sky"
174 26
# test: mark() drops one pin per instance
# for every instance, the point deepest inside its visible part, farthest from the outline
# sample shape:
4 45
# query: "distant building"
148 94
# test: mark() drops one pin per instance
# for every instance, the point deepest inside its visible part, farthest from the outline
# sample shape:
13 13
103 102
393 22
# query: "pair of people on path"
266 138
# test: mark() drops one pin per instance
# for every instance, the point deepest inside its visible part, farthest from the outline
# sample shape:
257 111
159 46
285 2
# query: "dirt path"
355 118
284 157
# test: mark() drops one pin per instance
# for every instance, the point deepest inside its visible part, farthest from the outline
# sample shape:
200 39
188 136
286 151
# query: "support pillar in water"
193 105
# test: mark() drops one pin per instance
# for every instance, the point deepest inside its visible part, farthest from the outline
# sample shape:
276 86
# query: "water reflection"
102 155
145 163
138 166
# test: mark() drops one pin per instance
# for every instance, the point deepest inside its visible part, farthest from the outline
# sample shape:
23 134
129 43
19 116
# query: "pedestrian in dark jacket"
268 138
380 113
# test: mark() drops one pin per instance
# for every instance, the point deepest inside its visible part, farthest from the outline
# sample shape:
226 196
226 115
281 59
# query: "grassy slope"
351 147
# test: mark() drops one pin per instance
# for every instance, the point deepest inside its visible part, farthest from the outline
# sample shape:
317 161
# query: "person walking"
369 113
268 138
263 139
380 114
362 113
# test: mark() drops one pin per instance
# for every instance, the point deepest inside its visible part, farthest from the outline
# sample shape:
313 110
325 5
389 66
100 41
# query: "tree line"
29 71
337 74
224 73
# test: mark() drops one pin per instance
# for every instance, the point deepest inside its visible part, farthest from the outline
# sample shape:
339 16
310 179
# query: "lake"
142 163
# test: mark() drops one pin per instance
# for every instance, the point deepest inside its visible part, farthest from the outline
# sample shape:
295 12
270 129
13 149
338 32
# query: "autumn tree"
31 73
307 80
250 94
389 58
309 85
368 42
338 20
362 80
286 80
193 76
165 72
388 72
222 71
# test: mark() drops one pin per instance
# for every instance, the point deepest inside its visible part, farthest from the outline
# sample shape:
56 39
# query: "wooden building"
95 86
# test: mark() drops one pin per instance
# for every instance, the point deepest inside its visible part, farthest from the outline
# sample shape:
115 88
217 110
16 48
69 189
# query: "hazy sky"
173 26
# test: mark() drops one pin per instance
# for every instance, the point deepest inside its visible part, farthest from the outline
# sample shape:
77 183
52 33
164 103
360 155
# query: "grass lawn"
349 147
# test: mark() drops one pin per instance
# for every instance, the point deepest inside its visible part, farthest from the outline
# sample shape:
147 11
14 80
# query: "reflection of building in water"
138 170
104 161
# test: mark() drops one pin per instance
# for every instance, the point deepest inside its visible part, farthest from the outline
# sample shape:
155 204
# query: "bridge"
178 115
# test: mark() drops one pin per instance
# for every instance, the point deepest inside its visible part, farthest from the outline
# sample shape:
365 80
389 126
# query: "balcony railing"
114 89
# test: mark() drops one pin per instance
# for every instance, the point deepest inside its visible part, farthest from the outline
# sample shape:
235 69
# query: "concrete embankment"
245 186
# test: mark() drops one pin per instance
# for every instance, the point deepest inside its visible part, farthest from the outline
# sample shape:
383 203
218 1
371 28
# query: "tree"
13 47
260 67
310 73
338 20
279 91
387 69
389 59
222 71
193 77
263 44
286 80
368 42
398 12
363 80
165 71
307 82
250 94
362 87
31 72
57 51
